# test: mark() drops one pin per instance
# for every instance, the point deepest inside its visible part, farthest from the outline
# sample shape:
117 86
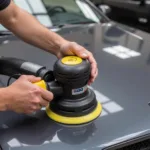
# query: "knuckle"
23 76
33 108
73 43
50 97
31 94
37 90
91 54
32 76
36 100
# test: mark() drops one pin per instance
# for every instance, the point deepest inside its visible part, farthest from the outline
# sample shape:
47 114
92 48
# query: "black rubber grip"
11 66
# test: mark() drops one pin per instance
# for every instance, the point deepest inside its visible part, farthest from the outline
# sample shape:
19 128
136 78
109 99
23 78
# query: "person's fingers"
31 78
93 66
46 95
75 49
79 51
38 107
96 73
44 103
93 78
83 53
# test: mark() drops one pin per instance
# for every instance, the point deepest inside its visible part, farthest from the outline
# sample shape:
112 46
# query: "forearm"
4 99
31 31
26 27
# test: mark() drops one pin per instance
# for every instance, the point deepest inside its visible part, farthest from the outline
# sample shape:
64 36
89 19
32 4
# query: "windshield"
59 12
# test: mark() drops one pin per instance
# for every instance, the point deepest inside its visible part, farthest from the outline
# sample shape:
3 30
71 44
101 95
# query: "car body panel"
122 87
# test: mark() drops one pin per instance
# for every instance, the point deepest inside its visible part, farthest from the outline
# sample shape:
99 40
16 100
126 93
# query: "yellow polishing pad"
75 120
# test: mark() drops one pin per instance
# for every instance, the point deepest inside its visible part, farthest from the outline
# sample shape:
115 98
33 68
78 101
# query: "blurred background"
134 13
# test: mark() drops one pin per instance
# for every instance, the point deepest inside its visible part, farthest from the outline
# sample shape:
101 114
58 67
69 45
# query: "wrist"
61 43
5 98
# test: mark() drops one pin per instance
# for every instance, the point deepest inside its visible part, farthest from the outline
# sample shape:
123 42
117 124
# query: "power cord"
13 76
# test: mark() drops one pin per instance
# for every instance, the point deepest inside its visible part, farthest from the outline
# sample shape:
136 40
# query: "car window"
58 12
38 10
70 11
24 5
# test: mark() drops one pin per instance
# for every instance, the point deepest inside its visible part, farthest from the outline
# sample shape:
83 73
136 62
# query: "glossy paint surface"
122 87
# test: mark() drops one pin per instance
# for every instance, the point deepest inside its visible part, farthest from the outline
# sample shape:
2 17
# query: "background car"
122 86
51 13
135 13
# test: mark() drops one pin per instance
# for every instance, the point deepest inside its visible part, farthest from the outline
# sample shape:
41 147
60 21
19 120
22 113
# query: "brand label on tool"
79 90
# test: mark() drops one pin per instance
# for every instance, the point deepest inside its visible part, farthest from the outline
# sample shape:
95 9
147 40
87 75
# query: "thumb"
31 78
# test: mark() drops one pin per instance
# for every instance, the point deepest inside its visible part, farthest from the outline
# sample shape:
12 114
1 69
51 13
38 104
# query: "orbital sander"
74 102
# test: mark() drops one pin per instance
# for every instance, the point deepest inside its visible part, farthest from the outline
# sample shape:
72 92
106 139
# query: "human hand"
72 48
26 97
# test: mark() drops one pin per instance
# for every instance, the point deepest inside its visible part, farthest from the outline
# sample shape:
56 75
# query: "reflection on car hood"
122 87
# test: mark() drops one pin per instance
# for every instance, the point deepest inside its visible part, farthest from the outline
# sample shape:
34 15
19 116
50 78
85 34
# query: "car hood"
122 87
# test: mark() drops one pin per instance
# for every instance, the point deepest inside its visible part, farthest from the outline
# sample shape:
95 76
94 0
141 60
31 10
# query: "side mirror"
105 9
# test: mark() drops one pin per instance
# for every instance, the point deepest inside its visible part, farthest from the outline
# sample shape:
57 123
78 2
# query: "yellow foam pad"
75 120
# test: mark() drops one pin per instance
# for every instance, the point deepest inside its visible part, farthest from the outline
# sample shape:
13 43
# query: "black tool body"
68 83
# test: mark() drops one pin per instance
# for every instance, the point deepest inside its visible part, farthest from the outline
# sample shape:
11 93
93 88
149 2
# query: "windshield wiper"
72 23
84 22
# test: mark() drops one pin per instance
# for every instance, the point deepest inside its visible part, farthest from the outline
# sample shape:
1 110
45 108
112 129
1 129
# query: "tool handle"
41 84
11 66
53 86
